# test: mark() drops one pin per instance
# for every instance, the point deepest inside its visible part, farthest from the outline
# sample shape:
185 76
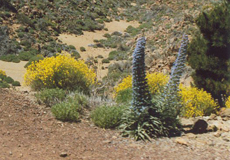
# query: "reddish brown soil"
30 132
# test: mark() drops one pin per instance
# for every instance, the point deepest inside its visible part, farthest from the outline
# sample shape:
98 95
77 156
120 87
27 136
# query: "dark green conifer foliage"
209 53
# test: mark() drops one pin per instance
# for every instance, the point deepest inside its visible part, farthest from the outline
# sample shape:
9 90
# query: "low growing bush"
82 49
34 59
10 58
16 83
8 79
25 56
107 116
66 111
51 97
105 61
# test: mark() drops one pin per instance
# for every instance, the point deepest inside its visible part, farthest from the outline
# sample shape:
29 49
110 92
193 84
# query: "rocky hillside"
31 28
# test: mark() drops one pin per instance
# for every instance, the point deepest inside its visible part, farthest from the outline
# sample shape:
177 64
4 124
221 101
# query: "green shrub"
50 97
4 85
133 31
66 111
21 34
76 55
26 43
117 55
100 56
124 96
105 61
10 58
25 56
107 116
82 49
80 98
8 79
34 59
71 47
107 35
16 83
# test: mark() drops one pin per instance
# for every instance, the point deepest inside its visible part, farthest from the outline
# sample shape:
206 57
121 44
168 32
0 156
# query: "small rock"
200 126
63 154
212 128
217 134
191 135
225 113
182 141
10 153
107 141
212 117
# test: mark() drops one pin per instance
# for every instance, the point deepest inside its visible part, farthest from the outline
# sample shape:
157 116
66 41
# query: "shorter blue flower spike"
171 89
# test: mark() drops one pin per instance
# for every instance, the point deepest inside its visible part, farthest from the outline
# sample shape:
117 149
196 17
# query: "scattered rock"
181 141
217 134
200 126
63 154
212 128
191 135
212 117
107 141
225 113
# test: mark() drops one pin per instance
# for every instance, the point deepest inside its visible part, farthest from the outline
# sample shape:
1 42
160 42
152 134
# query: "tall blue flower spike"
171 89
141 95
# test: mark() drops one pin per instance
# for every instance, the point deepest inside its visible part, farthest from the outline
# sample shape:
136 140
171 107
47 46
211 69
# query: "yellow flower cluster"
2 72
227 103
196 102
155 82
61 71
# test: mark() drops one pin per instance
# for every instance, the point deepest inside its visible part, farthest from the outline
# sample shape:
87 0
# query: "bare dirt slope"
29 132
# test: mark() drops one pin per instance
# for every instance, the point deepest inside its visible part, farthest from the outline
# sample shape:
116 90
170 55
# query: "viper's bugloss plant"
170 95
145 119
141 96
62 72
196 102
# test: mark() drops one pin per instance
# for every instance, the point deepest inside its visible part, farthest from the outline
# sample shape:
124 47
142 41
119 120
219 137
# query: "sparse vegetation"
107 116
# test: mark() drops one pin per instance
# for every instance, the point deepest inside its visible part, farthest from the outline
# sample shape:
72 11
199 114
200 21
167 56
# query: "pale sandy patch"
15 71
88 38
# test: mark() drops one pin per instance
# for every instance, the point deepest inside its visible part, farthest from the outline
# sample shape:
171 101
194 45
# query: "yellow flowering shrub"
61 71
196 102
155 82
227 103
2 72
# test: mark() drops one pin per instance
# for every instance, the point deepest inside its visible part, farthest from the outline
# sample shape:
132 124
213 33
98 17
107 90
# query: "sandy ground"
89 37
